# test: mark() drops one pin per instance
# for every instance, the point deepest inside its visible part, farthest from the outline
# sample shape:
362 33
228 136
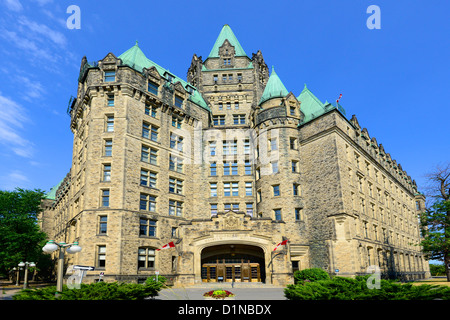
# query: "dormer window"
110 76
169 78
178 102
153 88
226 62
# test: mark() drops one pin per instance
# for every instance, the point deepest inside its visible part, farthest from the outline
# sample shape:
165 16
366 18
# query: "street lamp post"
71 248
26 264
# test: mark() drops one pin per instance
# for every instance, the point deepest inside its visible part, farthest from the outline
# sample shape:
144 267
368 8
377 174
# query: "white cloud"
14 5
41 29
14 179
12 119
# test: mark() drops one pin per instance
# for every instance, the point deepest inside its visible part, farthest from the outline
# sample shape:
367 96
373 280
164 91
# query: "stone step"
229 285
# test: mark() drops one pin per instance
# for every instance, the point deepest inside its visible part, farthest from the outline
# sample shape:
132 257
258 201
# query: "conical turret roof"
274 88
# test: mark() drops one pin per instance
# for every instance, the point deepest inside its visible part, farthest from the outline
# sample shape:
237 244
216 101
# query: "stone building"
225 165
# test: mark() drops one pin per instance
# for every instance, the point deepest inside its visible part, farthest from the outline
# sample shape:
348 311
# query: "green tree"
20 234
436 219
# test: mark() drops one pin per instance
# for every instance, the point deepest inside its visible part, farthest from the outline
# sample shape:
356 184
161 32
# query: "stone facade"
205 165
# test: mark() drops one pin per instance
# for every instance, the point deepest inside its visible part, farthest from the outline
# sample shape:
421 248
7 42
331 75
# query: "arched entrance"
233 262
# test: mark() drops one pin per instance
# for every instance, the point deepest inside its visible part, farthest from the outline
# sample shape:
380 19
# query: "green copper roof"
310 105
274 88
136 59
51 195
313 107
227 34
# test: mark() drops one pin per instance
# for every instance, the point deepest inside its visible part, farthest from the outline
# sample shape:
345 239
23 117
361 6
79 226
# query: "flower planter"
218 295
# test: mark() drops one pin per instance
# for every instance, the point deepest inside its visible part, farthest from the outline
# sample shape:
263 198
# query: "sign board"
156 272
87 268
337 270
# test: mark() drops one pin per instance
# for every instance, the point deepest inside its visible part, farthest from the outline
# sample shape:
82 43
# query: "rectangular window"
219 120
147 202
294 165
293 143
215 78
176 142
235 189
213 169
110 76
150 110
276 190
246 146
248 189
275 167
231 206
103 225
239 76
176 122
249 208
296 189
248 167
178 102
101 256
106 172
292 111
148 178
175 208
277 213
298 214
146 258
147 227
149 131
220 106
213 209
153 88
239 118
273 144
108 148
110 100
105 198
231 189
212 148
175 185
175 163
213 189
109 123
229 147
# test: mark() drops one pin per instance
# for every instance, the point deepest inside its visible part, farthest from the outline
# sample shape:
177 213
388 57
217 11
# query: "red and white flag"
282 243
340 96
167 246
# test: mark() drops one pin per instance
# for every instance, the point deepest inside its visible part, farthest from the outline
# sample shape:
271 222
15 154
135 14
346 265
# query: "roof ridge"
226 34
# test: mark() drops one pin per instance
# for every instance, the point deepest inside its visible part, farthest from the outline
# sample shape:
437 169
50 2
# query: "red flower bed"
218 294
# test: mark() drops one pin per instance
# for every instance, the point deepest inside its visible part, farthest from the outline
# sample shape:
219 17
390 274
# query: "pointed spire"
226 34
274 88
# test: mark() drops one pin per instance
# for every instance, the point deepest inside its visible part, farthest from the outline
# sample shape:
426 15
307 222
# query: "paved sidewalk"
196 293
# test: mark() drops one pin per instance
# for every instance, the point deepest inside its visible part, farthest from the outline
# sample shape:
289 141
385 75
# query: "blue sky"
395 79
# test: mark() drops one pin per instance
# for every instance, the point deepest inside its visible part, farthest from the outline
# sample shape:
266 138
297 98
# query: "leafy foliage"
97 291
312 274
340 288
436 230
21 237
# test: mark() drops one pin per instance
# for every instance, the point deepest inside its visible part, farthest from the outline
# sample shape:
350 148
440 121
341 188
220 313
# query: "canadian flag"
167 246
282 243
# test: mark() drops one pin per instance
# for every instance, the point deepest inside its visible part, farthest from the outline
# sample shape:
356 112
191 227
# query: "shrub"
312 274
97 291
340 288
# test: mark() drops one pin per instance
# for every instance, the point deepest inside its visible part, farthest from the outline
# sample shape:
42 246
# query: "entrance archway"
233 262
